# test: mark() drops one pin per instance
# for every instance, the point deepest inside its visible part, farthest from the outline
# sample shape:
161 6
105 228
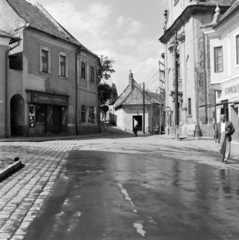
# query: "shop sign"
232 89
44 98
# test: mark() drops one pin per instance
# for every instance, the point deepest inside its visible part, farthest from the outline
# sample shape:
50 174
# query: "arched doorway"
17 107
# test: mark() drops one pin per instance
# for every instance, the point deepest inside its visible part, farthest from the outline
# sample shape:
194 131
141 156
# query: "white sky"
125 30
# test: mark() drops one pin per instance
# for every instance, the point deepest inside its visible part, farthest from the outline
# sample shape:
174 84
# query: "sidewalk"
201 144
53 138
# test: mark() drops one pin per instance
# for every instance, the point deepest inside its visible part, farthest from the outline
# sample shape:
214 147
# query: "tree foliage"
104 93
106 68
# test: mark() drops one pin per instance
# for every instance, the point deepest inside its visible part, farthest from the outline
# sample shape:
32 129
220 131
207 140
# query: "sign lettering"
232 89
45 98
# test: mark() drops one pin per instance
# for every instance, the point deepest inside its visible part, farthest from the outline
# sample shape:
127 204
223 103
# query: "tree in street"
106 68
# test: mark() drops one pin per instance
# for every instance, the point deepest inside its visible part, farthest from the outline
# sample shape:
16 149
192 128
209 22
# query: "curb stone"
10 169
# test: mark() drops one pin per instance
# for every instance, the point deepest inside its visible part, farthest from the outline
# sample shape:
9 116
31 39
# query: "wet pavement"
113 195
119 187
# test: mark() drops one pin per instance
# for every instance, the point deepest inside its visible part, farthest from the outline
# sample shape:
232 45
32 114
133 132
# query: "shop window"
218 59
45 60
92 115
63 65
82 113
237 49
92 74
83 70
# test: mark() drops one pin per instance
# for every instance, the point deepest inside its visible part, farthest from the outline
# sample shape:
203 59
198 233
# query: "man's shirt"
223 126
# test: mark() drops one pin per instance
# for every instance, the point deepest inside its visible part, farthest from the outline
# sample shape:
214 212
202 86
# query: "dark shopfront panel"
46 113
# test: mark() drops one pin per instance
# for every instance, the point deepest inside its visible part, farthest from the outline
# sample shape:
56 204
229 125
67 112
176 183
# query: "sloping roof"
5 34
154 96
231 10
40 19
151 97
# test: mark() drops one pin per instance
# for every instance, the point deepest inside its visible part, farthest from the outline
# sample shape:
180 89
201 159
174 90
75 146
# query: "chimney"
131 79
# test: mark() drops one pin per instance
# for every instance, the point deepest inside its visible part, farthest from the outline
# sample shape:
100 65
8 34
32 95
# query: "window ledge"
189 116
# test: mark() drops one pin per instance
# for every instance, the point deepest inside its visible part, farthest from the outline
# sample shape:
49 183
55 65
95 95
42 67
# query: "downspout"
78 50
6 88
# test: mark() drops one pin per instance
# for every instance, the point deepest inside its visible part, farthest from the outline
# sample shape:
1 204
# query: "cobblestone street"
23 193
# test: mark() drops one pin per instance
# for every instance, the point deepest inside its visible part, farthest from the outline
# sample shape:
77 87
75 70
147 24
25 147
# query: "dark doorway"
40 119
140 122
235 122
17 109
56 126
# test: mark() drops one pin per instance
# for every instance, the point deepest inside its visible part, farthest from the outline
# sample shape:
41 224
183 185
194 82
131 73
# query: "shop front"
47 113
229 105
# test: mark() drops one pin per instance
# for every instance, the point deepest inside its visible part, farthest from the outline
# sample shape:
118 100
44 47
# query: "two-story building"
224 59
51 81
182 30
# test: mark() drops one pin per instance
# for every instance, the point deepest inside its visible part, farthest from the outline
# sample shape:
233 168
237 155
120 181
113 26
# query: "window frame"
92 114
92 74
83 76
63 54
45 49
189 106
83 113
216 70
237 49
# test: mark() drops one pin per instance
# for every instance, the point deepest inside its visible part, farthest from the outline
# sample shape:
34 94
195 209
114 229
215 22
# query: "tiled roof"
233 8
154 96
40 19
151 97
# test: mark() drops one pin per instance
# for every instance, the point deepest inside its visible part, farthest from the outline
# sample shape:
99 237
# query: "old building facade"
129 106
224 59
52 87
182 30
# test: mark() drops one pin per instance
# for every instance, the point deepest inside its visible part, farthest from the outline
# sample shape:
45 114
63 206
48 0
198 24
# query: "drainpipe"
78 50
6 88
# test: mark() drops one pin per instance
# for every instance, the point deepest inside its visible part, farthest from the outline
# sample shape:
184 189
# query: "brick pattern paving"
22 194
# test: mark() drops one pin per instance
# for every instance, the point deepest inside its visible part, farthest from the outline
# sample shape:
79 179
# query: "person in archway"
223 135
135 129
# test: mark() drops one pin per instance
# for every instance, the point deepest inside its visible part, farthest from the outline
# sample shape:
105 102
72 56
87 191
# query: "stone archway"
17 110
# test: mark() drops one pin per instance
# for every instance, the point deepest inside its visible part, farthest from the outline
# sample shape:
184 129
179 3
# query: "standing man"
135 129
223 135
